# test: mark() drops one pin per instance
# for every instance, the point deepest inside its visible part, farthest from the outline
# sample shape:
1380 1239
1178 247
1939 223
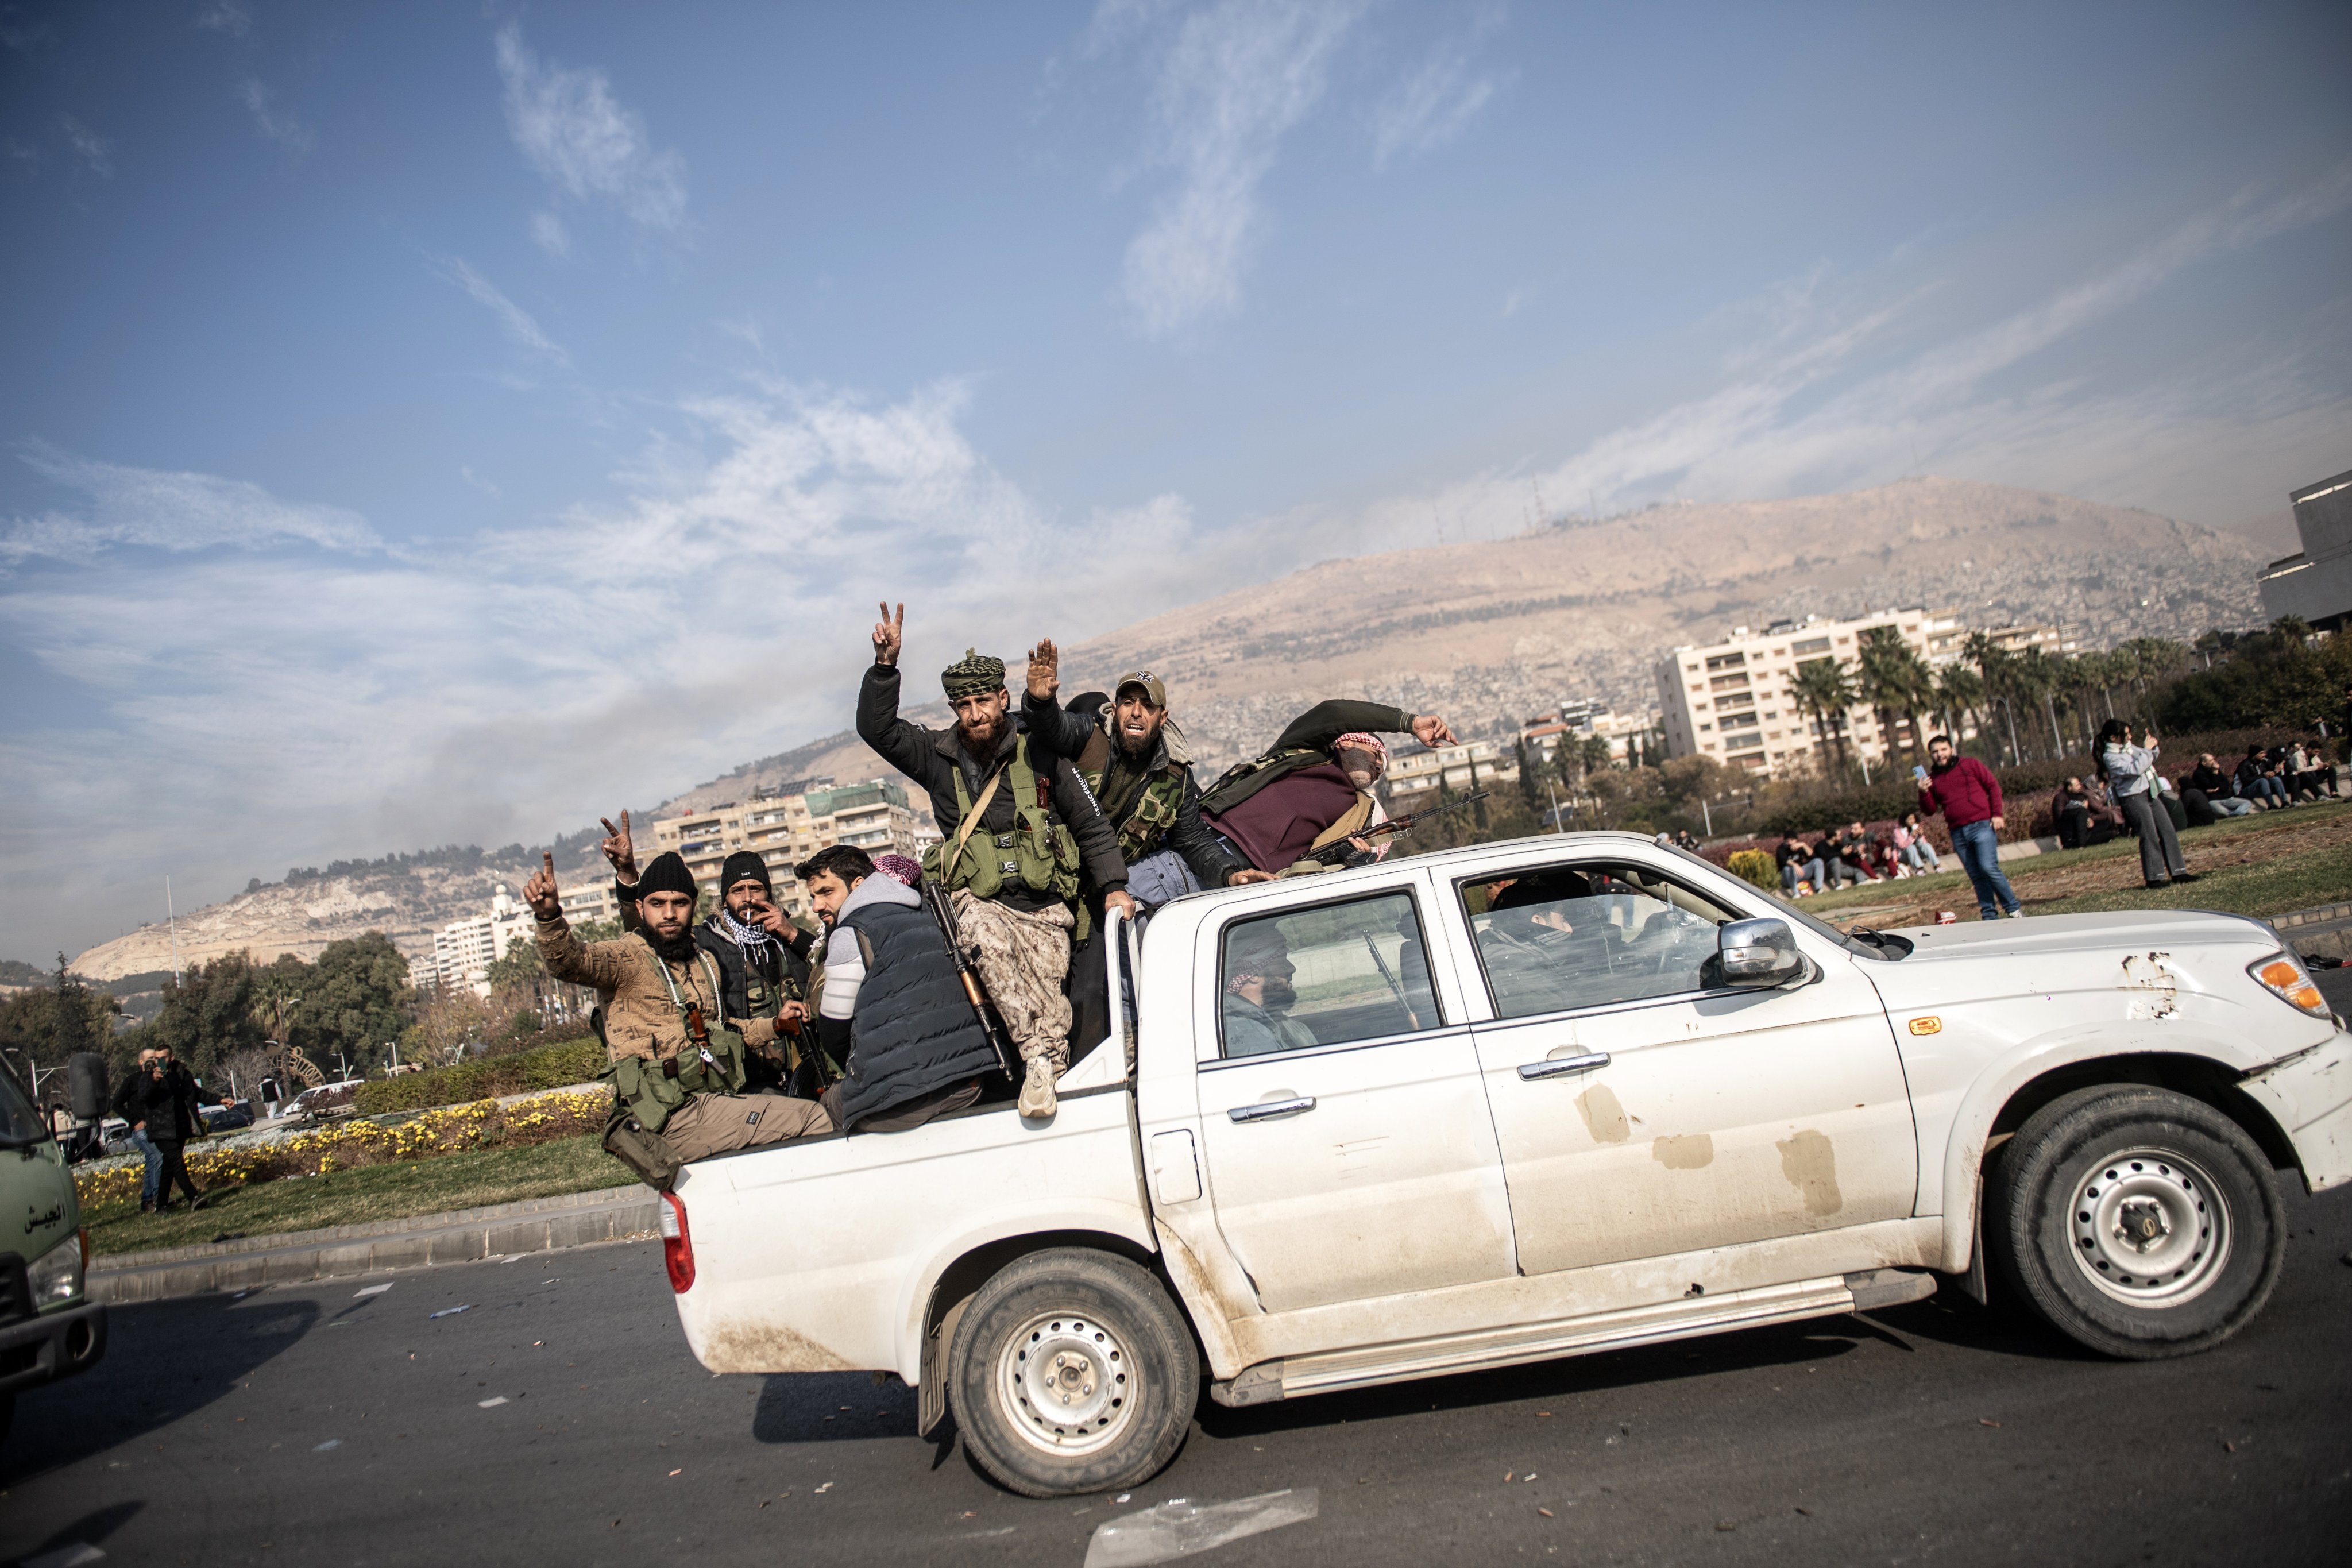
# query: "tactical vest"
711 1063
1039 853
1155 809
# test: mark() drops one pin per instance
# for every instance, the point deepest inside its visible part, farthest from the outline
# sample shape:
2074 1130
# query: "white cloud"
1230 83
162 509
546 231
228 16
88 145
581 139
275 124
1431 106
518 321
486 687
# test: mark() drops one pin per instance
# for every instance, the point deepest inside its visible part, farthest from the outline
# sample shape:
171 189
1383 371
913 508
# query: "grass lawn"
370 1193
2264 865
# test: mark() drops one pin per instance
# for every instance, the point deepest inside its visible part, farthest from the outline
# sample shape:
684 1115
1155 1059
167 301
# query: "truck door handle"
1565 1065
1272 1108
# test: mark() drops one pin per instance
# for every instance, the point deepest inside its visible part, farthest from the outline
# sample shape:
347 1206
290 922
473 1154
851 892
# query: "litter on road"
330 1443
491 1404
372 1290
446 1312
1178 1527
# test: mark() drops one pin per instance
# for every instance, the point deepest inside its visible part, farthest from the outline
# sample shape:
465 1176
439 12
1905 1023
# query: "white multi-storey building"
787 828
1732 701
463 950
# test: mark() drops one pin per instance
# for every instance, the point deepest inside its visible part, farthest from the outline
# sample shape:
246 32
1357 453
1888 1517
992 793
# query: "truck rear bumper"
54 1345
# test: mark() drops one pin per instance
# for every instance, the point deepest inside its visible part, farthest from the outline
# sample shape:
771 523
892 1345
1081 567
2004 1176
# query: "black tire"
1102 1332
2138 1222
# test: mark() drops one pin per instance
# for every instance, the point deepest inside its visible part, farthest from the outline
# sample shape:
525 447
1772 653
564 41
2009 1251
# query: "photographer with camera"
158 1100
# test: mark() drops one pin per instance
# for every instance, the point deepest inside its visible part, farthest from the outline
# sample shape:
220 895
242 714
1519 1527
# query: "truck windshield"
18 1125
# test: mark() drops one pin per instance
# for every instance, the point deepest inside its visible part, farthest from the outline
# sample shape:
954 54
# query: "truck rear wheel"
1071 1373
2138 1222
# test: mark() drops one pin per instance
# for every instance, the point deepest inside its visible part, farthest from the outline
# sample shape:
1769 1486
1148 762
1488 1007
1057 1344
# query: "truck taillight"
678 1243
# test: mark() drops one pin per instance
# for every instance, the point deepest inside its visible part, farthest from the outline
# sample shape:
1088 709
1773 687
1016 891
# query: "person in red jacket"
1964 791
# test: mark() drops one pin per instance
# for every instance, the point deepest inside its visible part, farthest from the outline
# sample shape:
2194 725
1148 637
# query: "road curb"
467 1236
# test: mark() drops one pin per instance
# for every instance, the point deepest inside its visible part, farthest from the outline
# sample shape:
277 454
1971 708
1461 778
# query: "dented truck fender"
1971 1133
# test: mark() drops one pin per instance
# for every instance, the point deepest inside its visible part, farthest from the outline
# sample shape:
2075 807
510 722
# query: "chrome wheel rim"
2149 1228
1068 1383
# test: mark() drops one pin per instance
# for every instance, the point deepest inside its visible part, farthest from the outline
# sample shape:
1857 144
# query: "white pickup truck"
1531 1100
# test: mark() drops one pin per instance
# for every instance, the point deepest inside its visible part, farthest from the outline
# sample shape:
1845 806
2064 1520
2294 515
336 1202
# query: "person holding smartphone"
1964 791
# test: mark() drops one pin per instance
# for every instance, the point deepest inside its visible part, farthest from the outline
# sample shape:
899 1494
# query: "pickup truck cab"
48 1328
1531 1100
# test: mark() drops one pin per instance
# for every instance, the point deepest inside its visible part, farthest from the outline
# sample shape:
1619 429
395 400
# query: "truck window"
1562 937
1325 977
19 1127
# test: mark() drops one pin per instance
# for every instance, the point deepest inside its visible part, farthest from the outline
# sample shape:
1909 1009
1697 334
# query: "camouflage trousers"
1022 959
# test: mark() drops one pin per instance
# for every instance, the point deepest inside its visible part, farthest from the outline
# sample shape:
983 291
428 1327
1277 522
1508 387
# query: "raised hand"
889 634
540 891
1431 730
769 917
619 849
1045 670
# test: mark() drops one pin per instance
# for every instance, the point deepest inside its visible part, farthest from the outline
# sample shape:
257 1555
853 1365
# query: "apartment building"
787 827
1623 731
464 950
1414 775
1732 699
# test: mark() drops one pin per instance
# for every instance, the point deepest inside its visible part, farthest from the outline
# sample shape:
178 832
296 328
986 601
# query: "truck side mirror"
86 1085
1757 952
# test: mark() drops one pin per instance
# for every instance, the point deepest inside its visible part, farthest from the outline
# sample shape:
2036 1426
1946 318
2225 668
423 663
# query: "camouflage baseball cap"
973 675
1155 690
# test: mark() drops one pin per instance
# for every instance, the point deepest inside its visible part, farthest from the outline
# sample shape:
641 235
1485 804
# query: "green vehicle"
49 1327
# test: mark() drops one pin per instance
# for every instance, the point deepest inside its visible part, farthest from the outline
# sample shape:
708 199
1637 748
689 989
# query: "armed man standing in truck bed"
1015 836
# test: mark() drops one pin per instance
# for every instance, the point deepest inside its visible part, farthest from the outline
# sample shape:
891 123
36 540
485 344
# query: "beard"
1277 995
672 950
1136 749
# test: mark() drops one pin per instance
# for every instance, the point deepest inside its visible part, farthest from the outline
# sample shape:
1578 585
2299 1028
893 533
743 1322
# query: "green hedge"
548 1067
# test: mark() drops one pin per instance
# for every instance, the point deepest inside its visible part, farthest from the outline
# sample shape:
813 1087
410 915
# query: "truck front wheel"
1071 1373
2138 1222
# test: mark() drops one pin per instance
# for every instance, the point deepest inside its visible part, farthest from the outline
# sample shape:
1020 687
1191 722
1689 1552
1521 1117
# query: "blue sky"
445 422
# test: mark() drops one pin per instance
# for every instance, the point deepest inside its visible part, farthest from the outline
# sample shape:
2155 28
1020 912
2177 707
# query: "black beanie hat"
743 865
667 874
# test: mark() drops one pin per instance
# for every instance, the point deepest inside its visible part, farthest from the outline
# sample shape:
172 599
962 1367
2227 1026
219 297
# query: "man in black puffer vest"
893 1003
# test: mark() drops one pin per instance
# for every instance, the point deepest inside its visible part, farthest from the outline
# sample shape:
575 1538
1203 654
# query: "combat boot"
1037 1101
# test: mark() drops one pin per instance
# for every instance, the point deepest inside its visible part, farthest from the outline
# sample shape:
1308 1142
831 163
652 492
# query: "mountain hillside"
1488 634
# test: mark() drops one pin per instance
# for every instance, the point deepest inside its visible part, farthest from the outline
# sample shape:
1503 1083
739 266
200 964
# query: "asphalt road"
312 1425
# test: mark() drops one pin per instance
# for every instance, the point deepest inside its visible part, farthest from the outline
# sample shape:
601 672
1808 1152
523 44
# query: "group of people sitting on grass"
1852 855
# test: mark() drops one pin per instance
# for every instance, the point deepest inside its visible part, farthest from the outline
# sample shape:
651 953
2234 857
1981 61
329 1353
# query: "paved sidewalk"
538 1224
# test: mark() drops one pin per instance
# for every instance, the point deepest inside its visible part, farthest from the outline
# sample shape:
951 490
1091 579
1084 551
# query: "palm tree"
1893 679
1823 690
1959 691
1999 668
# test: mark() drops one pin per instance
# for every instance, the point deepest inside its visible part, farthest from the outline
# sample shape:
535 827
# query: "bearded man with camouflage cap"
1133 755
1018 835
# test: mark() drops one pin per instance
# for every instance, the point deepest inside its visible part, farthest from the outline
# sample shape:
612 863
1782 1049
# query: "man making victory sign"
1017 833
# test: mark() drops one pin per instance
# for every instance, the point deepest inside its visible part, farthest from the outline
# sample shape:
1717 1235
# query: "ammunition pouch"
648 1154
1039 853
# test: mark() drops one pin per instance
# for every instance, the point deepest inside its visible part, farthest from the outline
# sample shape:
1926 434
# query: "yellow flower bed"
343 1146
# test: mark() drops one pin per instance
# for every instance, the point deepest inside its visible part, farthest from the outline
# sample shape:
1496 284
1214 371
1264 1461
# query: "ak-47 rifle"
944 912
1336 853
